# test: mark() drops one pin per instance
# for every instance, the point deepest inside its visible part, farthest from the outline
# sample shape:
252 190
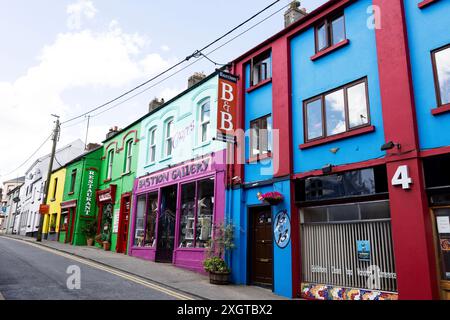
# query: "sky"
66 57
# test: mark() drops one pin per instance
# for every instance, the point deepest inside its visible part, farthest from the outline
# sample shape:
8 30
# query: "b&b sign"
227 107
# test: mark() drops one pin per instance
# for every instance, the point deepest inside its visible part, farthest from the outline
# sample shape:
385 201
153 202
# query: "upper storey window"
330 33
168 141
261 68
338 111
261 136
128 156
110 164
205 114
441 62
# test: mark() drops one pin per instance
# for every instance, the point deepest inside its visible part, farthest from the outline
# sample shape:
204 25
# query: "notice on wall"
443 224
363 247
116 221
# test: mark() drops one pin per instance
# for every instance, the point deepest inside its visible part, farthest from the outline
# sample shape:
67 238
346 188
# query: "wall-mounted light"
390 145
327 169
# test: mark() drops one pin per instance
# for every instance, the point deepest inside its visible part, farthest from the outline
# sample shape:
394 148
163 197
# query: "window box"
440 110
426 3
259 85
341 136
329 50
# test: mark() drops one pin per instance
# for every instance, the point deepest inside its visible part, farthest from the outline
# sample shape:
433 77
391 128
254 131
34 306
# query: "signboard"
227 107
282 229
363 247
44 209
104 197
116 221
443 224
89 193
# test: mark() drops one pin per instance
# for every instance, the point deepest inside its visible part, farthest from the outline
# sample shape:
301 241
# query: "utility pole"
49 173
87 132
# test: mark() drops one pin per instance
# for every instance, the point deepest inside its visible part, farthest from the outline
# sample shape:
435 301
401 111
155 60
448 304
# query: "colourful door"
124 217
166 225
261 246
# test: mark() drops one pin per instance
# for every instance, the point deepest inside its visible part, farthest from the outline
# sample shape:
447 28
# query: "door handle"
264 260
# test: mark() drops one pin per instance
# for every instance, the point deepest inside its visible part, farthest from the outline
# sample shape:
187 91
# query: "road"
31 272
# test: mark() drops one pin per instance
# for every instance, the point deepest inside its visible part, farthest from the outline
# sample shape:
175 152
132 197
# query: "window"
147 208
441 61
330 33
110 164
128 156
168 142
205 114
197 211
342 110
152 145
55 186
139 228
261 136
261 69
73 178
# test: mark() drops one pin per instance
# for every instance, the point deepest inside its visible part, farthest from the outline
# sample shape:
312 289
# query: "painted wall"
239 200
345 65
124 181
185 111
54 199
428 30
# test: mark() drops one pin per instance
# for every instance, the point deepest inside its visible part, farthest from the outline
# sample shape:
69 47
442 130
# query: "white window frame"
151 145
128 155
205 123
168 138
110 164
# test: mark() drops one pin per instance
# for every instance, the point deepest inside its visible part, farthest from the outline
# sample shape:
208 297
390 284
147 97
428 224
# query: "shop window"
339 111
152 146
139 234
196 225
261 68
73 178
330 32
128 156
109 168
205 114
150 221
261 136
441 62
168 141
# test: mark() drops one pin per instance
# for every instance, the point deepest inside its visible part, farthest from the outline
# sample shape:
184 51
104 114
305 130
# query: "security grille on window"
261 136
261 68
168 138
330 33
205 120
441 61
338 111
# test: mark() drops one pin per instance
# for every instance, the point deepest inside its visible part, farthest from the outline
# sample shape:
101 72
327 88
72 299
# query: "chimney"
294 13
195 78
155 103
92 146
112 132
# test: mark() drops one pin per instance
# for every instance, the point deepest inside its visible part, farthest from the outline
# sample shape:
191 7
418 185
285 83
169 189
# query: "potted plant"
214 264
89 230
106 236
272 198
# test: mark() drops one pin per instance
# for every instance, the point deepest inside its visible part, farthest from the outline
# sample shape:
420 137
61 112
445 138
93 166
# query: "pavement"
168 280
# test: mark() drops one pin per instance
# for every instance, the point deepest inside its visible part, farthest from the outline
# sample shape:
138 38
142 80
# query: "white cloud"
170 93
79 10
165 48
76 60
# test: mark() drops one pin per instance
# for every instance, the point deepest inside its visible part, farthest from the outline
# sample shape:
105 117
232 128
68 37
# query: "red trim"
107 147
259 157
426 3
434 152
106 180
440 110
344 135
121 246
92 168
68 204
325 52
125 137
259 85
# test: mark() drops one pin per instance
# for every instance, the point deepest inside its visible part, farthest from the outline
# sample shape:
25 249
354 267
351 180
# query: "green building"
79 199
117 175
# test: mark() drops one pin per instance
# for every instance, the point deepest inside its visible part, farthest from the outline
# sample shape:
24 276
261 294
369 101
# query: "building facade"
344 112
51 224
13 209
180 190
79 204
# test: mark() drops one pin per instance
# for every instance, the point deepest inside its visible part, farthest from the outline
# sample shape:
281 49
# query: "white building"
31 193
5 197
13 210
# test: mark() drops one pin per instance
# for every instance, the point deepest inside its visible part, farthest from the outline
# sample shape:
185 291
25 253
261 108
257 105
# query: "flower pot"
106 245
90 242
273 202
221 278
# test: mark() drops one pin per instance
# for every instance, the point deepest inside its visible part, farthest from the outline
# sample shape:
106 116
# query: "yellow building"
50 229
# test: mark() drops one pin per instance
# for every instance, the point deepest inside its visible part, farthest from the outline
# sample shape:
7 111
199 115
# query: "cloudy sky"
65 57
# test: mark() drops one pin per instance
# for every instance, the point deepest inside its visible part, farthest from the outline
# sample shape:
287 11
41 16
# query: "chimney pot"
294 13
155 103
195 78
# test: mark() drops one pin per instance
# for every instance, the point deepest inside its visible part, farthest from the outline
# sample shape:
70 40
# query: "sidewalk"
163 274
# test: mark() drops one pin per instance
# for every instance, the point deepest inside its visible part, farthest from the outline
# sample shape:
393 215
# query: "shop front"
105 200
346 246
67 222
175 211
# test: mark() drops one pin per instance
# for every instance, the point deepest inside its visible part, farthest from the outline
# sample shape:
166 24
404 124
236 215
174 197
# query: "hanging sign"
44 209
227 107
363 247
282 229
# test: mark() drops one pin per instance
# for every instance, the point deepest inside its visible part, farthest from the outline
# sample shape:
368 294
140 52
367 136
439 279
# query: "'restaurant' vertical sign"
227 107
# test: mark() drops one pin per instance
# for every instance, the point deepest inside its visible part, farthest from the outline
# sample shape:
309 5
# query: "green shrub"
216 265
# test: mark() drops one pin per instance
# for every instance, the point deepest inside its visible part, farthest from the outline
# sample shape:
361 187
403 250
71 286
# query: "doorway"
261 246
122 237
166 225
441 231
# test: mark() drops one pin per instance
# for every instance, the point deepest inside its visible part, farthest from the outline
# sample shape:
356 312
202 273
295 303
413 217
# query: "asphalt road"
30 272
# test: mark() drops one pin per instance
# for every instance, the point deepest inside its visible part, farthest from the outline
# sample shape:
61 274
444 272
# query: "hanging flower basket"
272 198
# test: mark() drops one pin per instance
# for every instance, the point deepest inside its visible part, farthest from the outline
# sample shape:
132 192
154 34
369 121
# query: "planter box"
219 278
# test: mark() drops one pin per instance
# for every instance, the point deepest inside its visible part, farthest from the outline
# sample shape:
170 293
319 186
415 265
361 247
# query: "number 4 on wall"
401 177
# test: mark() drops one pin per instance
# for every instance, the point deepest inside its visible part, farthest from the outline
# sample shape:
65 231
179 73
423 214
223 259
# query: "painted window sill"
126 174
151 164
52 200
259 85
440 110
166 159
71 193
329 50
107 180
426 3
202 145
345 135
259 157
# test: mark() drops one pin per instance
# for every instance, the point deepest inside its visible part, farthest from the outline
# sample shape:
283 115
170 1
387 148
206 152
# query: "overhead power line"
172 67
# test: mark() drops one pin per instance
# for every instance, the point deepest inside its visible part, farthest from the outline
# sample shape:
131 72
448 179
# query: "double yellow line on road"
118 273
